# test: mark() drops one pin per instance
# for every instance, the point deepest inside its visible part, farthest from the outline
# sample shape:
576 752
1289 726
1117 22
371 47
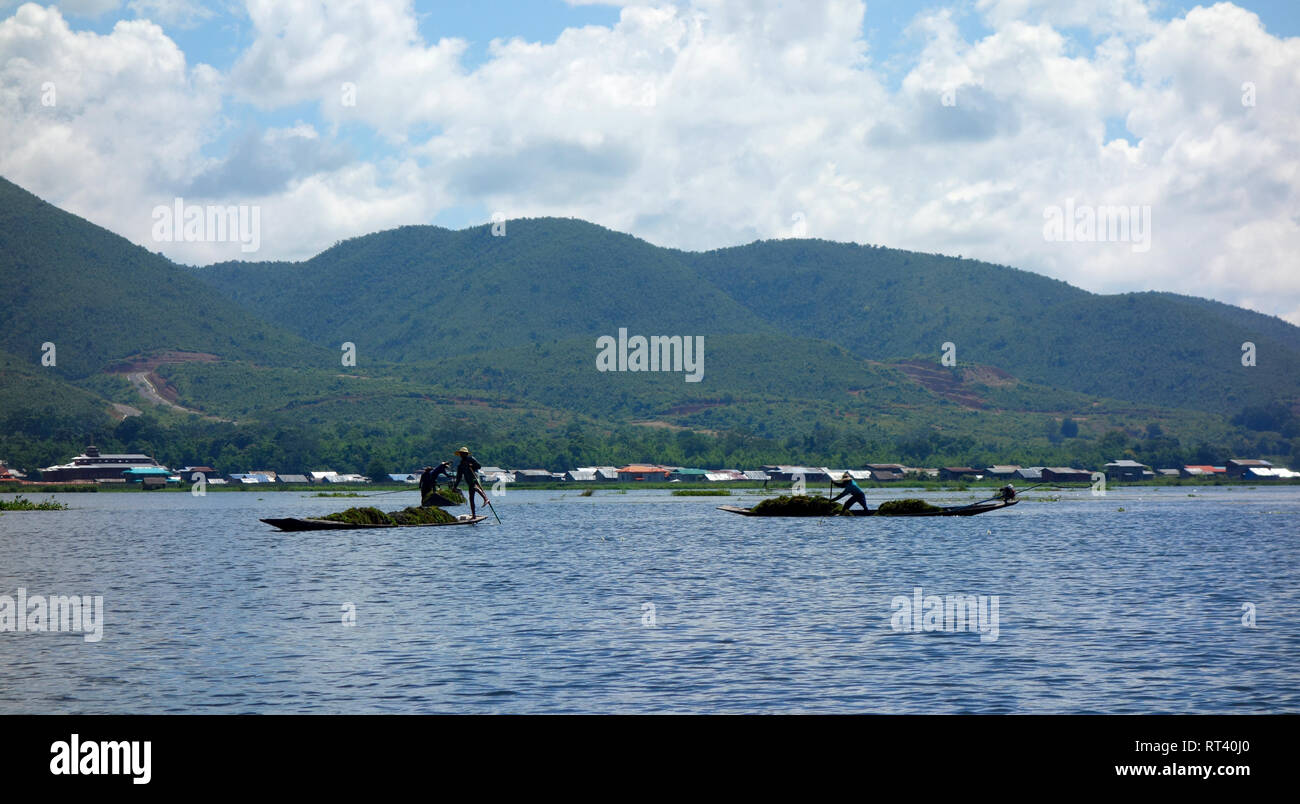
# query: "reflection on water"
1101 610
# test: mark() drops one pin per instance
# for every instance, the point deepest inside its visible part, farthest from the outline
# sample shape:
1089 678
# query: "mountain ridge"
811 348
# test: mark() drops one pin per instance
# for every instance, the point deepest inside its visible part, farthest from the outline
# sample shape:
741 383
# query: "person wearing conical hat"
467 470
851 490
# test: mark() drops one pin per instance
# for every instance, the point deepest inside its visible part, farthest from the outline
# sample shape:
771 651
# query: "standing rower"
467 470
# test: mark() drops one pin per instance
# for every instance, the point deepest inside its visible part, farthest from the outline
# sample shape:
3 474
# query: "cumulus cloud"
711 122
100 123
267 163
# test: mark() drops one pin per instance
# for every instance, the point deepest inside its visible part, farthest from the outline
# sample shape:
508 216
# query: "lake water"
206 609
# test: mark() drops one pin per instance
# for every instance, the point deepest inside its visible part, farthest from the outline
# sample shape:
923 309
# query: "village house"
492 474
635 472
533 476
885 472
1126 470
1269 473
687 475
1237 467
1005 471
188 472
724 475
599 474
788 473
1065 474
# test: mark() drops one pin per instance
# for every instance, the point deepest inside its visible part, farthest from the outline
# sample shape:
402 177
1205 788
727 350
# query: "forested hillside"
813 352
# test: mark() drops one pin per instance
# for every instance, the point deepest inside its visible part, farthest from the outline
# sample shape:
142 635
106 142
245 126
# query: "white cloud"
98 123
1129 18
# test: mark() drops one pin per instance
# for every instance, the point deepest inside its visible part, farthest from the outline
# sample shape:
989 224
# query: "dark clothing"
851 489
429 482
467 470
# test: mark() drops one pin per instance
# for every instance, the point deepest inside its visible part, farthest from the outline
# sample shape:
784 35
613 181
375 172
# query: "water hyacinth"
907 506
428 515
797 505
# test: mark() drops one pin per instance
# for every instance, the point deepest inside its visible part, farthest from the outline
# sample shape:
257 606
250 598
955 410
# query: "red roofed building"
641 471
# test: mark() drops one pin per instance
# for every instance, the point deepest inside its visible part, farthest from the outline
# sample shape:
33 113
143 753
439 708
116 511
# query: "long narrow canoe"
295 523
954 510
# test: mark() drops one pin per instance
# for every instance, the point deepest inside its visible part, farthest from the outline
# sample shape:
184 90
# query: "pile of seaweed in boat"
421 516
797 505
444 496
409 516
908 506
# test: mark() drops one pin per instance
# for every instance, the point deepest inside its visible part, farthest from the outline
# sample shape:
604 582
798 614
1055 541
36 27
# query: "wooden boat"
296 523
954 510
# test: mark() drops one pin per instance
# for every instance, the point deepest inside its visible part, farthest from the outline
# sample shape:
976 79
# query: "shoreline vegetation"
366 489
21 503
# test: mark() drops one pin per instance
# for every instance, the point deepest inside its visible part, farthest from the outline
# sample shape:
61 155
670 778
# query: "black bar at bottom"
333 753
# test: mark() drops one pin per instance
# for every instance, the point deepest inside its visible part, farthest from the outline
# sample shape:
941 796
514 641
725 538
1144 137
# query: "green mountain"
884 303
422 292
813 352
99 298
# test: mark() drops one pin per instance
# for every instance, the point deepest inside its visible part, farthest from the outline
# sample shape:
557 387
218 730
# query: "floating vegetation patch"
21 503
337 494
586 492
701 493
797 505
908 506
